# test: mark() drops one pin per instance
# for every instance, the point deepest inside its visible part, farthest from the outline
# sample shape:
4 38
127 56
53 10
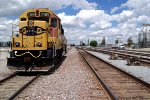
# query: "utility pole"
88 42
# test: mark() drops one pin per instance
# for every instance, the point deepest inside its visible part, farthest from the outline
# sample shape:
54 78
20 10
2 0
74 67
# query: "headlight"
17 35
17 44
39 44
15 52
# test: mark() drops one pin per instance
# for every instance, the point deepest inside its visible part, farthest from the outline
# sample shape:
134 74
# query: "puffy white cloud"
130 20
143 19
16 7
124 16
141 7
115 9
3 27
94 19
101 25
6 28
85 23
71 21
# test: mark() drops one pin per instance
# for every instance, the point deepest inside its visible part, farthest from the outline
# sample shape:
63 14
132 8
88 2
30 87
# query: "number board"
44 14
31 14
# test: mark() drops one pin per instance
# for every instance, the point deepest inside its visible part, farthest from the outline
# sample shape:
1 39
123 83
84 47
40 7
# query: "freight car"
38 43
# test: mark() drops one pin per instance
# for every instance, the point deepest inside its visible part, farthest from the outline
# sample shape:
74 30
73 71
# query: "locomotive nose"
33 35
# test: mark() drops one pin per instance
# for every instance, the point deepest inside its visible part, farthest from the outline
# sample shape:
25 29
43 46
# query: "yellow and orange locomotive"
39 41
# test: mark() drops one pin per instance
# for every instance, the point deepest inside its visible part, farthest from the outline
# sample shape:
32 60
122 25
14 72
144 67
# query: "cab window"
54 22
40 18
23 19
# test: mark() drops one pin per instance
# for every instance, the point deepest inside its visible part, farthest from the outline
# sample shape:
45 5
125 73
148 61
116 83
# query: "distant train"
38 43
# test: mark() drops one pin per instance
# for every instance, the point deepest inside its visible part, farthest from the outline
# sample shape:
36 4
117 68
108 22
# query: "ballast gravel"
4 71
71 81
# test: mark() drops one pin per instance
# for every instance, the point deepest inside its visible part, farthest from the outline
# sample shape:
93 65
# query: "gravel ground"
4 55
4 71
72 81
141 72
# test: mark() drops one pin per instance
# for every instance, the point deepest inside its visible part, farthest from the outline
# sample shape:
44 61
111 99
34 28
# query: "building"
5 44
144 36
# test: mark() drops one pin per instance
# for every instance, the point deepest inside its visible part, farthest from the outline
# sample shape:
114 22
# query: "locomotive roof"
24 14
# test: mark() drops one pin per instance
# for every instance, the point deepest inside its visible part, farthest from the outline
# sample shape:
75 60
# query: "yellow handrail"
30 54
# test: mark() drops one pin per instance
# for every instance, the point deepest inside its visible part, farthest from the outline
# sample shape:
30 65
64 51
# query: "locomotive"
38 42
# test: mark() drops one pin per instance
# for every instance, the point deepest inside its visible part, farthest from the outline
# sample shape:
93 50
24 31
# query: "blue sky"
105 5
84 19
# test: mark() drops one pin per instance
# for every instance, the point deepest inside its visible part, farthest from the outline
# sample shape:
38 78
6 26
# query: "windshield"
40 19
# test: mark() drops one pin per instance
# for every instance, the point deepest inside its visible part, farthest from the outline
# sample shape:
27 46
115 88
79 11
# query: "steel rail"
121 51
144 55
23 88
68 49
105 86
145 84
9 77
139 51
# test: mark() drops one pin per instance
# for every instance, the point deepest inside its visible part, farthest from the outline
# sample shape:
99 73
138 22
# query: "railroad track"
126 52
132 52
12 86
144 58
119 85
68 49
139 51
17 82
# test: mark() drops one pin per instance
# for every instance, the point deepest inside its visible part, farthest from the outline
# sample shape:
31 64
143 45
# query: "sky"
84 19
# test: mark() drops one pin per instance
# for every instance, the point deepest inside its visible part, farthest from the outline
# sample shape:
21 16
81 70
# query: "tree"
130 41
93 43
103 41
83 44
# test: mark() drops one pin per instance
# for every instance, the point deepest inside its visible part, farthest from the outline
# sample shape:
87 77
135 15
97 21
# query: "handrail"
30 54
